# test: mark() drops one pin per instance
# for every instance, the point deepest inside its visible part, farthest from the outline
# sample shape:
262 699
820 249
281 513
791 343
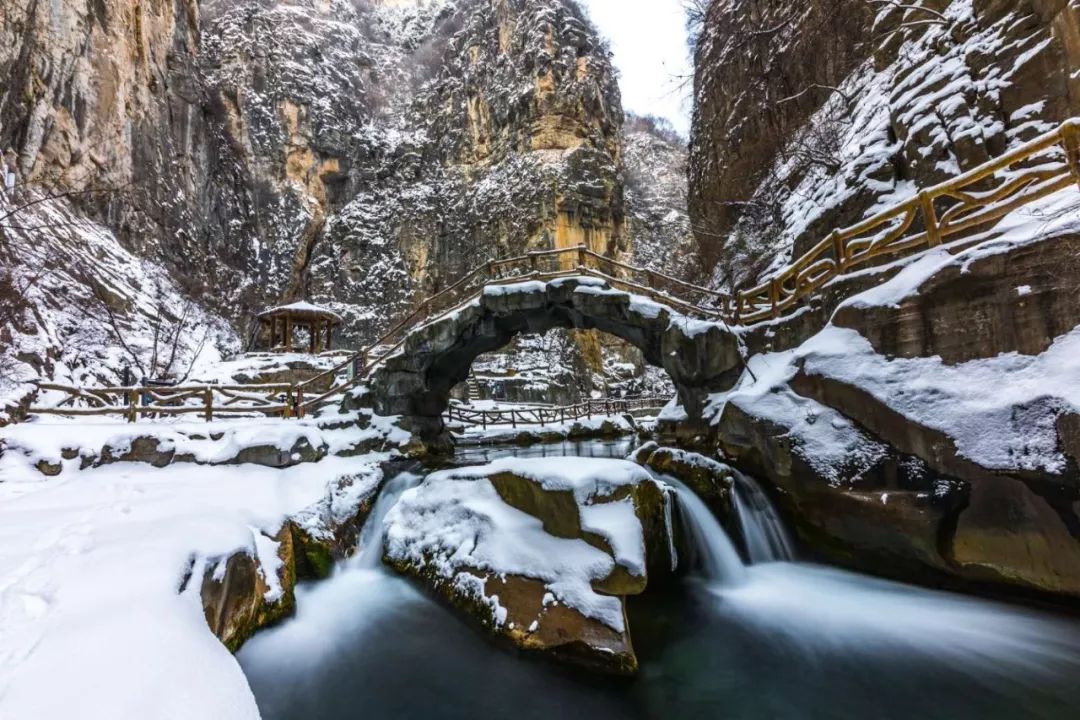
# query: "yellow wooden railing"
951 210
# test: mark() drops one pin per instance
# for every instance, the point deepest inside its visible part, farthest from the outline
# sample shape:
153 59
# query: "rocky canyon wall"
807 119
359 153
915 419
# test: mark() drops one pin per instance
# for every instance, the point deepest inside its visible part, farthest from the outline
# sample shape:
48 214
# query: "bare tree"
168 330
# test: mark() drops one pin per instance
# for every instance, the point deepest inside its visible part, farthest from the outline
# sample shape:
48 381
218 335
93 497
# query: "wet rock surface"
993 508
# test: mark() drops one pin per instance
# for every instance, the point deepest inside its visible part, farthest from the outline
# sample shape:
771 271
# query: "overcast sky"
648 38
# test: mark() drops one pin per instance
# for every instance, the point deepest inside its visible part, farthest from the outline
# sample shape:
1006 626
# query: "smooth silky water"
776 639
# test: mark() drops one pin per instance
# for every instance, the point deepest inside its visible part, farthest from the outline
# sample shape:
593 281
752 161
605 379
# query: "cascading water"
716 557
784 640
370 545
764 533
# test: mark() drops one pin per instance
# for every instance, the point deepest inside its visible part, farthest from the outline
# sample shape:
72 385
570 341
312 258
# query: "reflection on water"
786 640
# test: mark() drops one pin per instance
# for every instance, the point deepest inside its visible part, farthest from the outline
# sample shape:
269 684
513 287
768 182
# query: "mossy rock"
236 607
712 481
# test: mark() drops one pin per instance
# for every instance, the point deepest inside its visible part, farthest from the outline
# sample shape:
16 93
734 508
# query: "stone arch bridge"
415 382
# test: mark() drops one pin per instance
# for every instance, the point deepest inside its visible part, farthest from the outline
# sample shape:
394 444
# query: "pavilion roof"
302 310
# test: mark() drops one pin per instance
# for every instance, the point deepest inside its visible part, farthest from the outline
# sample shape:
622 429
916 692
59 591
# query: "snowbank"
599 425
98 618
66 445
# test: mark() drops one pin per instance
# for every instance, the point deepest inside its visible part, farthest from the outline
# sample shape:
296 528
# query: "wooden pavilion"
279 325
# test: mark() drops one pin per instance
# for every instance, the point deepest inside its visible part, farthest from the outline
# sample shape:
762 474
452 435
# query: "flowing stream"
766 538
774 639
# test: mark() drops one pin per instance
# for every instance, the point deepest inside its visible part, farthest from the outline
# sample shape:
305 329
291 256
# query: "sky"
648 38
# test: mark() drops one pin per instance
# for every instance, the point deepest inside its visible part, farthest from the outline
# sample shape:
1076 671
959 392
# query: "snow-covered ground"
93 623
69 443
96 617
67 325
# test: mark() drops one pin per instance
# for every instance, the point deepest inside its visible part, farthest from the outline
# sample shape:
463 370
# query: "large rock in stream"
542 553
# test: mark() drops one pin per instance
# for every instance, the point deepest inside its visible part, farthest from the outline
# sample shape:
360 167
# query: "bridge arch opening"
416 383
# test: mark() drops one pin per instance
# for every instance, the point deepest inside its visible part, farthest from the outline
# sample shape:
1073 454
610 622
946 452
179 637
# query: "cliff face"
361 153
655 182
840 111
104 97
508 142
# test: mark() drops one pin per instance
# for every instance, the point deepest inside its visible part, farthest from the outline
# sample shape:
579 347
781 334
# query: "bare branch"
815 86
99 294
908 6
773 30
57 196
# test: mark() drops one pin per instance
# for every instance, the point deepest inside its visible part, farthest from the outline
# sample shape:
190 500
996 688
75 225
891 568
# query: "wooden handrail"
969 208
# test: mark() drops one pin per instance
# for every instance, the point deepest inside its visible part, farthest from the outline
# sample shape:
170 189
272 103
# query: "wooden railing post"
133 405
933 232
288 403
1070 139
774 296
208 404
532 262
581 256
300 403
840 251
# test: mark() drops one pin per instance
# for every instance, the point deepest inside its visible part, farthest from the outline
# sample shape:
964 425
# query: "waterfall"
711 547
766 538
370 544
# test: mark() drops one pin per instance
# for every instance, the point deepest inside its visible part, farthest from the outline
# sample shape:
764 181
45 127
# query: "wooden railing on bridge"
953 209
545 415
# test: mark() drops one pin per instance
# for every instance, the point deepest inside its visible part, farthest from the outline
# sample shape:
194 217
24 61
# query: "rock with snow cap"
541 552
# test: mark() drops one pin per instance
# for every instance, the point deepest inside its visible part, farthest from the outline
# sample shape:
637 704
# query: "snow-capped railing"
209 401
953 208
544 416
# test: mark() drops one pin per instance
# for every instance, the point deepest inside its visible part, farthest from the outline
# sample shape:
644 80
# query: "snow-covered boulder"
711 480
929 430
541 552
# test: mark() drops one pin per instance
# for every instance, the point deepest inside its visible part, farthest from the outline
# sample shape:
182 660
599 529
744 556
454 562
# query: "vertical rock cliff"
360 153
811 117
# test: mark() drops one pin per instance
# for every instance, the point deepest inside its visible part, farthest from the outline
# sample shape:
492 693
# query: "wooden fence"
542 415
953 209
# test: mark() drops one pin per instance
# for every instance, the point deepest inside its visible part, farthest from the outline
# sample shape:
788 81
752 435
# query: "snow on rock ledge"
541 552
